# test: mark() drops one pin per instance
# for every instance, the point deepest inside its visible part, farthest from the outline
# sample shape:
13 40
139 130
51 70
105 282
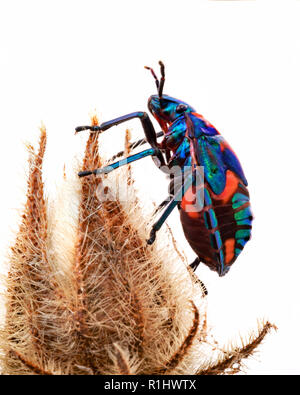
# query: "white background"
236 62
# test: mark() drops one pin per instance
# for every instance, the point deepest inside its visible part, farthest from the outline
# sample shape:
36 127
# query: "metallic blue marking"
238 200
207 198
243 214
184 149
221 257
218 239
132 158
240 197
201 128
165 107
210 219
206 216
188 161
233 164
246 221
213 218
242 242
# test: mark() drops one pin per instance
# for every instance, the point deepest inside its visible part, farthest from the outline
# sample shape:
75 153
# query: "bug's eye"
181 108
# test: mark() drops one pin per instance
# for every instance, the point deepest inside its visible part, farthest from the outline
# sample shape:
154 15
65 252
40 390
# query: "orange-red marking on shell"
189 202
231 186
229 250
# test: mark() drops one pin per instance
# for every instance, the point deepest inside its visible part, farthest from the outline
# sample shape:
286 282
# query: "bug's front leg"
147 125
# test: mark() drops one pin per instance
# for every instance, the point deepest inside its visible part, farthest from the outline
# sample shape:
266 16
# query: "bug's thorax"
167 109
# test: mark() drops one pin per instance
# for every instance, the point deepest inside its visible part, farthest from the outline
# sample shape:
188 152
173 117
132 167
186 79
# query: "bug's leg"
134 145
147 125
174 201
204 289
154 152
195 264
158 224
162 205
171 192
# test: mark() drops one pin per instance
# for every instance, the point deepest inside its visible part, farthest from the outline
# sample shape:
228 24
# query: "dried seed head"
87 295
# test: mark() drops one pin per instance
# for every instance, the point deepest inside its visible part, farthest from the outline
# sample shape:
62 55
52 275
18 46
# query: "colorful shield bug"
220 228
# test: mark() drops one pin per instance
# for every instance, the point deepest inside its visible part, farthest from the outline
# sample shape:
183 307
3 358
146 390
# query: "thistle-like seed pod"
85 294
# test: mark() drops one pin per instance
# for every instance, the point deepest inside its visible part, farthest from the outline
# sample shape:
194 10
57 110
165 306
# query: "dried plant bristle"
85 294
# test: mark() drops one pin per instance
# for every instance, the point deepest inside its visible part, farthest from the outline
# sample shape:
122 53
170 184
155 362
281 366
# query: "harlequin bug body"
220 228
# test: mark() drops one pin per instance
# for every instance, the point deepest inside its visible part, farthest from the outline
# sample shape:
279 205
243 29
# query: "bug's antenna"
162 79
159 84
154 75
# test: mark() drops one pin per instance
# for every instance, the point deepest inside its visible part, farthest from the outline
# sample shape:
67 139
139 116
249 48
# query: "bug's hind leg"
195 264
162 205
204 289
158 224
174 201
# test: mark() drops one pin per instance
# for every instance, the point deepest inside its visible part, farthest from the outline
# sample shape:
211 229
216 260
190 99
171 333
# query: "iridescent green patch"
242 234
238 200
243 214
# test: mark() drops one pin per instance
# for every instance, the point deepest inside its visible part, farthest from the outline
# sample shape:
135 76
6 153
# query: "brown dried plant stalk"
86 295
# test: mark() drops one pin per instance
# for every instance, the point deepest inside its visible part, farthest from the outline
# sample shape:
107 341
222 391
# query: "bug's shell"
219 232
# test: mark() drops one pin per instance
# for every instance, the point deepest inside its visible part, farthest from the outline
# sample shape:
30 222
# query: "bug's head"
164 108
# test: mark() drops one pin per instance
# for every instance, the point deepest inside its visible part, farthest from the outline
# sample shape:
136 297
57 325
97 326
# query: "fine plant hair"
86 295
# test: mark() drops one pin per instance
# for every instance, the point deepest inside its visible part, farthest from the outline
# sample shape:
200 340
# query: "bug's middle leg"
134 145
154 152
